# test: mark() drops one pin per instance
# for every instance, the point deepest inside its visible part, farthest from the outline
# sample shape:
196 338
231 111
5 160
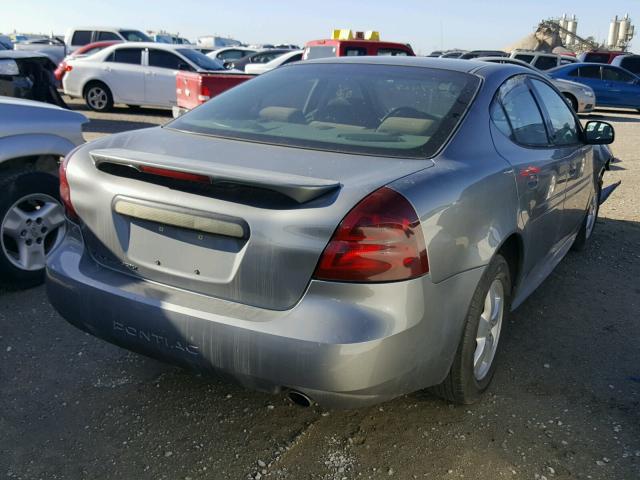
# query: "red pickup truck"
345 43
193 88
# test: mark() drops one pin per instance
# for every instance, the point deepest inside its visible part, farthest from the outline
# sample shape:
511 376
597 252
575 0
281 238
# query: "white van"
542 60
78 37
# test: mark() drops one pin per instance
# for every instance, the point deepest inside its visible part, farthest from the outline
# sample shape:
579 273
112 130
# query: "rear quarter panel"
467 203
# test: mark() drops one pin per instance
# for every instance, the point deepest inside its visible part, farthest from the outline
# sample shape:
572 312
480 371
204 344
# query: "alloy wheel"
489 327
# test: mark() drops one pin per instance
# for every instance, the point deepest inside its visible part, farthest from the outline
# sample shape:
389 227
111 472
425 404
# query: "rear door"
160 76
622 87
123 74
524 141
565 136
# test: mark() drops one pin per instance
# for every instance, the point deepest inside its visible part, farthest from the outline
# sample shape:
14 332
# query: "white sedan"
258 68
134 74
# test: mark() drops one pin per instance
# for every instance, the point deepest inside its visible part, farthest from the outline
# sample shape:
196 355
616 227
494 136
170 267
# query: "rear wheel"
589 222
474 363
98 97
32 224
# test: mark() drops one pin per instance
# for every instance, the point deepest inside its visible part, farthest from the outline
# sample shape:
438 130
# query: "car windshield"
353 108
135 36
201 60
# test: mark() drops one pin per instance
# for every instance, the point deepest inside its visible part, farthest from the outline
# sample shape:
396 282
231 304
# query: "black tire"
461 385
105 103
572 101
586 231
12 189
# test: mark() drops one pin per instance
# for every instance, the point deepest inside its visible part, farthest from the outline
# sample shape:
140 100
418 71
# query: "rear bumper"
344 345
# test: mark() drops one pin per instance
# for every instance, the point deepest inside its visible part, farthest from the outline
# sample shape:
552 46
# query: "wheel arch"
512 249
92 81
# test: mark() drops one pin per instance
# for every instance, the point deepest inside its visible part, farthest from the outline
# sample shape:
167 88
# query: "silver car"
344 230
581 97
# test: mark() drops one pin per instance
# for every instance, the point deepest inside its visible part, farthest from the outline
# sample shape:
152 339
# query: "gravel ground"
565 402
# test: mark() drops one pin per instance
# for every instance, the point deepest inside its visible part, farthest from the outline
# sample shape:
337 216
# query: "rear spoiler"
299 188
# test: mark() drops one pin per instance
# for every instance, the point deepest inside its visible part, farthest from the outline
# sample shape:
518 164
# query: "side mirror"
599 133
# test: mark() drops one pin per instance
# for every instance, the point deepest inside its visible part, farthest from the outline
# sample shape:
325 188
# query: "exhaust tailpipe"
299 398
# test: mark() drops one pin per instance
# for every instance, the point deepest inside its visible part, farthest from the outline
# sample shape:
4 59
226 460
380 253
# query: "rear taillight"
65 191
380 240
205 93
68 68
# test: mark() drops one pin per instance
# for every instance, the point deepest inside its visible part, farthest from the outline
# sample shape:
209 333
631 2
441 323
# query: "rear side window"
163 59
107 36
232 55
523 113
597 57
393 52
565 129
134 36
81 37
126 55
615 75
545 63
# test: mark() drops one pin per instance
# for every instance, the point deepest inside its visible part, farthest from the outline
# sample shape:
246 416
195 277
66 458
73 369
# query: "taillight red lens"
205 91
175 174
380 240
65 191
68 68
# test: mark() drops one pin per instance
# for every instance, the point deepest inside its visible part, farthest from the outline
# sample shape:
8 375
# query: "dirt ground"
565 402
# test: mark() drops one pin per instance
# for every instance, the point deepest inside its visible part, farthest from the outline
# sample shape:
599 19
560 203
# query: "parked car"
543 60
81 36
453 54
32 219
598 56
261 56
345 230
284 59
134 74
483 53
53 47
228 55
628 62
28 75
88 49
5 43
581 97
613 86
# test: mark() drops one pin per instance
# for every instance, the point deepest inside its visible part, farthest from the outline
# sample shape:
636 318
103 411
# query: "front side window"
597 57
616 75
365 109
126 55
565 128
523 113
232 55
589 71
524 58
81 37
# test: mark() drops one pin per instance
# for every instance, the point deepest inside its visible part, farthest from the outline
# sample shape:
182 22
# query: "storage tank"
623 30
563 21
572 26
614 27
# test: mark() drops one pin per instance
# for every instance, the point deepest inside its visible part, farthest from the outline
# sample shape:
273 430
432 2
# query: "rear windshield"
353 108
320 52
135 36
201 60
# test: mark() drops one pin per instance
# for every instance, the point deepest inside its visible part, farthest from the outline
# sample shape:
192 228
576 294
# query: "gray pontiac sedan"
342 230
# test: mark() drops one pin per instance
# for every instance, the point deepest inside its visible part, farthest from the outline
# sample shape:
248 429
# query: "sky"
427 25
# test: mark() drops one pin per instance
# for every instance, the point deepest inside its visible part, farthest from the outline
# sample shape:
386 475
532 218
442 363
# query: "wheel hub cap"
488 333
31 228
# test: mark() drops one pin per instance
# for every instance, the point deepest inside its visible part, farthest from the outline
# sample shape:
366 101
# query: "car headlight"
588 92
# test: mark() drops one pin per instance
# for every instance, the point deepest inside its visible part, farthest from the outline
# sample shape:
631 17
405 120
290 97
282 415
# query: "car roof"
160 46
427 62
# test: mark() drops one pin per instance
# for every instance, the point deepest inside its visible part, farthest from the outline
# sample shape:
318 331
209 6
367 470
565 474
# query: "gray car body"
37 129
253 311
